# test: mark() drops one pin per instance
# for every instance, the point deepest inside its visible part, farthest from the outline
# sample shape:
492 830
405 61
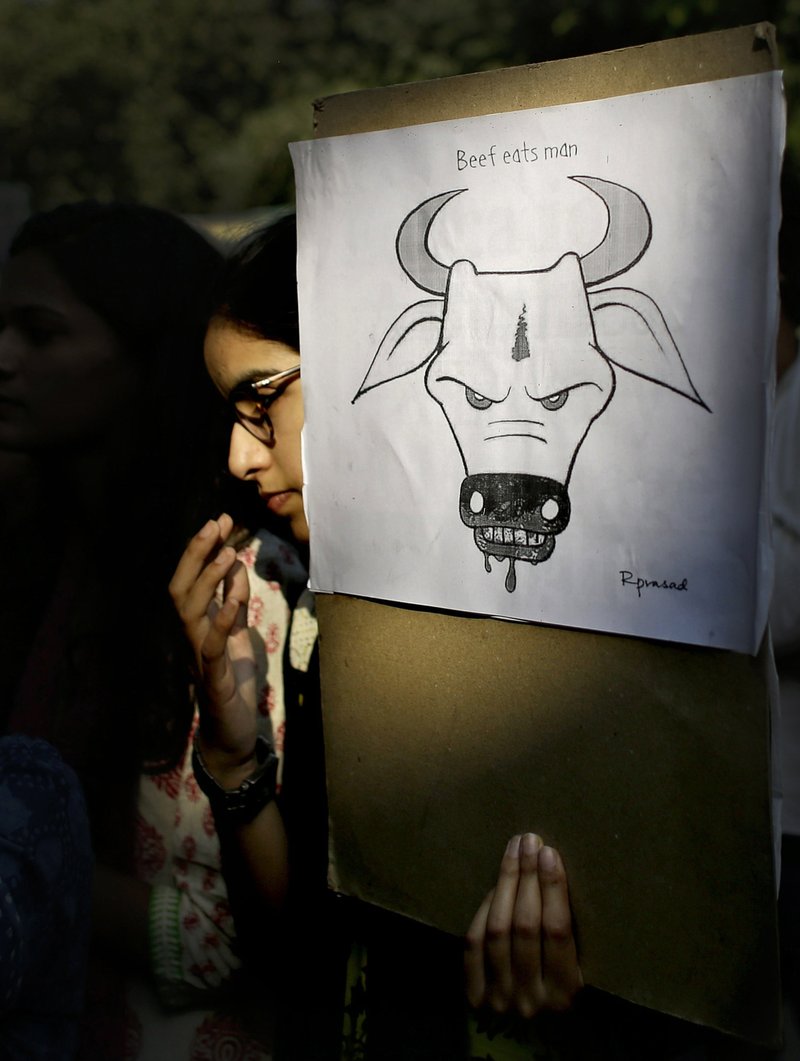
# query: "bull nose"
532 503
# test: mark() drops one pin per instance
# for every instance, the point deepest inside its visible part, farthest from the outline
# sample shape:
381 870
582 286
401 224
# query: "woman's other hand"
520 955
222 647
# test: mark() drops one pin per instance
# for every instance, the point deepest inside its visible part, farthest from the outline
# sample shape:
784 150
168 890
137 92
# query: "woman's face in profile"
231 356
63 376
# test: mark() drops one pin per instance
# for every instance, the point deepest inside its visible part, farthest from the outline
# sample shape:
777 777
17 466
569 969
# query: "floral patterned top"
192 941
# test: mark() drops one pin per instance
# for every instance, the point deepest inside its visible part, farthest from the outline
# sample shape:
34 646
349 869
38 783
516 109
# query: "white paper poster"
537 356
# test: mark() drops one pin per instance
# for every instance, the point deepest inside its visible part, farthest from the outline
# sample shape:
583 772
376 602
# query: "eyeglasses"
250 406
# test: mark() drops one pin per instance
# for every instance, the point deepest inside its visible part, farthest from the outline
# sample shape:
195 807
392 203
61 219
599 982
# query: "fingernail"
531 843
206 530
547 859
512 847
221 557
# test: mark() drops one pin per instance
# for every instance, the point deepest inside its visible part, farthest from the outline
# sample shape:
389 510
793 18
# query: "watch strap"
239 805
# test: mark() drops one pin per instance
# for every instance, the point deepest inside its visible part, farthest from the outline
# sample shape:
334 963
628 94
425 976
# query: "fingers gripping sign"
210 591
520 955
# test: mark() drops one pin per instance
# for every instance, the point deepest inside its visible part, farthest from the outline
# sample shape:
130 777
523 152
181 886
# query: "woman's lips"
275 502
11 409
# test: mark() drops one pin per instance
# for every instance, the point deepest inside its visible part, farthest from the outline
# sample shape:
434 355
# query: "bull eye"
555 401
477 401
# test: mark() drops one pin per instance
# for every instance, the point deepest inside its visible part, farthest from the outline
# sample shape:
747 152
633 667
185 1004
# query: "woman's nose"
246 454
11 352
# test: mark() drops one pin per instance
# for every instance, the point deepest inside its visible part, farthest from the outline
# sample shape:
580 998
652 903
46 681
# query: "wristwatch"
239 805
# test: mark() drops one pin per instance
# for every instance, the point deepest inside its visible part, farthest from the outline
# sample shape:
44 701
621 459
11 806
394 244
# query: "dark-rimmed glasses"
250 407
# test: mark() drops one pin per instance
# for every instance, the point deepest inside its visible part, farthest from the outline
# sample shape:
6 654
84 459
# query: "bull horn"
627 235
413 252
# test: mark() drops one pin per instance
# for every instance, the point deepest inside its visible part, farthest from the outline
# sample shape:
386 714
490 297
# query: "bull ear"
409 343
632 333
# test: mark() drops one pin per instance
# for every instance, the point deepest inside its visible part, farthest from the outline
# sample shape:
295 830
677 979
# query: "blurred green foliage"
189 104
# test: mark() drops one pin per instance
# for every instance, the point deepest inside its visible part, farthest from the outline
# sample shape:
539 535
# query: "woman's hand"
520 953
228 712
222 647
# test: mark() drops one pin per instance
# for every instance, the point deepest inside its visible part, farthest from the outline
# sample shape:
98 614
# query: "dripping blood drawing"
523 363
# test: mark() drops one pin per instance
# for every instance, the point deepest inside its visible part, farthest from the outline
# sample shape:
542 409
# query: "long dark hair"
146 272
257 289
151 277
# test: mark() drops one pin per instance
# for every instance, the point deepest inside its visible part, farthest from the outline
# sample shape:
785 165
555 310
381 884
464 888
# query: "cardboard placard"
645 763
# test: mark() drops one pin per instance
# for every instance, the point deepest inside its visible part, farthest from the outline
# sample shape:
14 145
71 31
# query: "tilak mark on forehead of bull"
523 363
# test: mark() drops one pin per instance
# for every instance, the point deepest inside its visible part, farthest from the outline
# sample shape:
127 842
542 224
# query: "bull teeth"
512 536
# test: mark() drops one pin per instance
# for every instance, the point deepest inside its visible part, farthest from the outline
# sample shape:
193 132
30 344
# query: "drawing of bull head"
523 363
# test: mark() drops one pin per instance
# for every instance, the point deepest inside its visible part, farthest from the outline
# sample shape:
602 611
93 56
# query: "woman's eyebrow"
35 311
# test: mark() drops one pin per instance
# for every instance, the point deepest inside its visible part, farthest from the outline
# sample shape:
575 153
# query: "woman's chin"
299 527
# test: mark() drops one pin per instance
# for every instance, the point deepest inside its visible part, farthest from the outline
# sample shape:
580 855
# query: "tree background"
189 104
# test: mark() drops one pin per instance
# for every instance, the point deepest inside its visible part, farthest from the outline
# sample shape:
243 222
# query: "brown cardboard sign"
645 763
